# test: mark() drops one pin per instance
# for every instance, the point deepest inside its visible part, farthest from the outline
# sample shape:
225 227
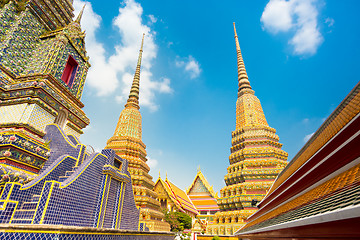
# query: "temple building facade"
255 161
127 143
43 67
204 198
173 198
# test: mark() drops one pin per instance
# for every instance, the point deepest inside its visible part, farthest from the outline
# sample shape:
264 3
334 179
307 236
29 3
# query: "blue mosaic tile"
93 193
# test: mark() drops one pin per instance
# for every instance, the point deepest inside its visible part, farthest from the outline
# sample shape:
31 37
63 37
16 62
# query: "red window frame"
69 72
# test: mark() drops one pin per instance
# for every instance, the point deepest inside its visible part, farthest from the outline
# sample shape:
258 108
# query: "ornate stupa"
127 144
255 161
43 68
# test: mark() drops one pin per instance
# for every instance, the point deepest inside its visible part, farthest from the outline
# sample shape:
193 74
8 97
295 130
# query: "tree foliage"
178 220
216 238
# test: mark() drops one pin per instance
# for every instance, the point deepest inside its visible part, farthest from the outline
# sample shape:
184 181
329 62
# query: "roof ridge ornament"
78 18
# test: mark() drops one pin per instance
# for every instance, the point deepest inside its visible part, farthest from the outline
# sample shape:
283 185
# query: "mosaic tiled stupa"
127 143
255 161
43 67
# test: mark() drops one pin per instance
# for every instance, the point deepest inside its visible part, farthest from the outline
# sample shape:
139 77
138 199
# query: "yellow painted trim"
83 158
47 203
79 154
64 186
65 137
12 215
102 198
107 197
9 193
118 209
122 201
47 173
32 221
85 233
74 137
6 202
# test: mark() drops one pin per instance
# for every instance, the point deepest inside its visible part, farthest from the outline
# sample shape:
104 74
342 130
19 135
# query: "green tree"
216 238
184 219
178 220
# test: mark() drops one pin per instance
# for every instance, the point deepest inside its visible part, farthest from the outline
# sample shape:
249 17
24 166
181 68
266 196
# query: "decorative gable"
198 187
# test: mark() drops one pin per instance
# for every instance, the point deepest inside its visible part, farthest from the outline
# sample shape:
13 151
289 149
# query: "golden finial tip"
235 29
78 19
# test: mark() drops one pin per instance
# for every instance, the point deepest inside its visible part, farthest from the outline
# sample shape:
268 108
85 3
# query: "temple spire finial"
78 19
133 99
243 79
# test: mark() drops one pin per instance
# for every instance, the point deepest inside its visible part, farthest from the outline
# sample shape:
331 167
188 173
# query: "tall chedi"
43 68
127 144
255 161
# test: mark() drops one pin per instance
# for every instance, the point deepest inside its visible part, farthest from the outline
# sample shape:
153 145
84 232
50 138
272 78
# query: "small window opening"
69 71
117 164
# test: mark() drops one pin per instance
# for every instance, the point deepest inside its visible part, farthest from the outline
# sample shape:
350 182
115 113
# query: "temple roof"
202 194
201 180
178 196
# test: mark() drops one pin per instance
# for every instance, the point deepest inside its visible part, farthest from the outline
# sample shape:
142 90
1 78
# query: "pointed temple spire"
134 92
128 145
243 79
78 19
256 159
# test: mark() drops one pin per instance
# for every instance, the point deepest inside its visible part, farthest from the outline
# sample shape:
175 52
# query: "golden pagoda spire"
243 79
78 19
134 92
128 145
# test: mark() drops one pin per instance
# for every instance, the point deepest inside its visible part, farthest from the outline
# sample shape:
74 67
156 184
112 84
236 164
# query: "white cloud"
305 120
277 16
307 137
190 65
153 19
151 162
330 22
298 16
107 74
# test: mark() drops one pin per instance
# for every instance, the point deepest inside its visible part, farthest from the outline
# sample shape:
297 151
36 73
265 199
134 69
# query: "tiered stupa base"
227 223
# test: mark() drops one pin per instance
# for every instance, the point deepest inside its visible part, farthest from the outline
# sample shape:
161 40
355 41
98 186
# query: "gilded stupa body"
255 161
127 143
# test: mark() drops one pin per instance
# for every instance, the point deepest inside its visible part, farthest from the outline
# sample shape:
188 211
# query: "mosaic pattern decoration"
255 161
63 195
37 39
40 232
128 144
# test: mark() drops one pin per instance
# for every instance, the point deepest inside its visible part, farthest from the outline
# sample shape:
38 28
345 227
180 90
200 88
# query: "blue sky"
301 56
